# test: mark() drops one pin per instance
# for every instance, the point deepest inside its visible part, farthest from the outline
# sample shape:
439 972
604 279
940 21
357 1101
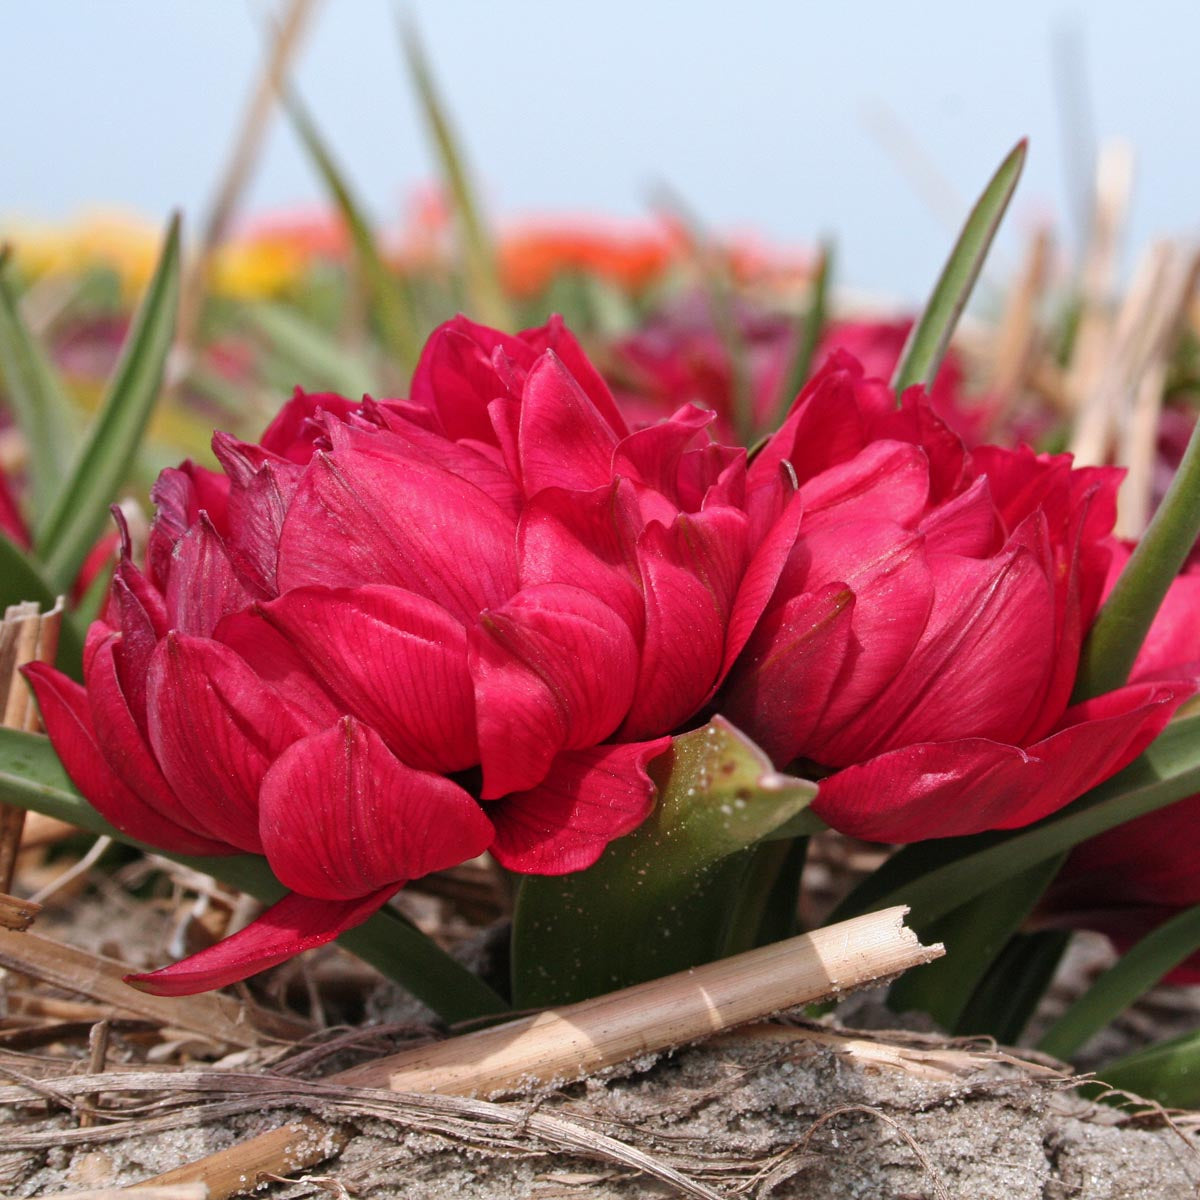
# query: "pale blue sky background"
757 112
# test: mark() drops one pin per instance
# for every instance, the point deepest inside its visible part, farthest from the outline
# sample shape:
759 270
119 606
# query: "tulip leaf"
1168 1072
938 875
395 314
974 934
1124 619
308 350
1139 969
32 777
662 898
67 531
927 343
809 331
488 300
40 405
22 579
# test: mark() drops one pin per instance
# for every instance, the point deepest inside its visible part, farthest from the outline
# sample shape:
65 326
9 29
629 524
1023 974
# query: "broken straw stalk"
562 1045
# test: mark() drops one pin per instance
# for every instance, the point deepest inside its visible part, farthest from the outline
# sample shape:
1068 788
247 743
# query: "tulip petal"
884 477
393 659
203 585
564 441
588 798
289 927
64 708
216 728
691 571
357 519
538 664
948 789
341 816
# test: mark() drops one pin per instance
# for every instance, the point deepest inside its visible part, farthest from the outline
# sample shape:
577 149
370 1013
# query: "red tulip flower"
392 635
923 640
1129 880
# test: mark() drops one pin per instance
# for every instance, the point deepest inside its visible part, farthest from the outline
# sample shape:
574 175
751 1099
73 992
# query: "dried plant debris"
774 1110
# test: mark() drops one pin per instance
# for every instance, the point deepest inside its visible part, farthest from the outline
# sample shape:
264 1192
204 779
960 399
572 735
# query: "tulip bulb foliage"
394 634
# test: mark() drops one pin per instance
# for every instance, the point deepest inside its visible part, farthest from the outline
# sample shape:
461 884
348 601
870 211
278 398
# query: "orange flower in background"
273 252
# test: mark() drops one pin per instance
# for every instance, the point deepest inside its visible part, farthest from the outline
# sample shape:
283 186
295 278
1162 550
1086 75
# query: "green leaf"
938 875
32 777
974 934
69 528
1138 970
660 899
1009 994
43 413
930 336
398 321
808 335
1125 617
22 579
1168 1072
313 355
488 300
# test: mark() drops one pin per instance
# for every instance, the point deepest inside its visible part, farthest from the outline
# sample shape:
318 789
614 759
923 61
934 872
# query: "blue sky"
763 115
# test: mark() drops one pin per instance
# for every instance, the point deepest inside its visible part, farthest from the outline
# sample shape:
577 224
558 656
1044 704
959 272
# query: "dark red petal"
289 927
393 659
357 519
204 586
216 728
691 572
341 816
589 798
64 708
554 669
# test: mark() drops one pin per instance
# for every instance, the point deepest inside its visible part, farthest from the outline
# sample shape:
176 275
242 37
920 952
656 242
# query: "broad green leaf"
1124 619
661 899
938 875
1168 1072
808 335
1138 970
1009 994
22 579
32 777
488 300
43 413
974 934
930 336
399 324
318 360
69 528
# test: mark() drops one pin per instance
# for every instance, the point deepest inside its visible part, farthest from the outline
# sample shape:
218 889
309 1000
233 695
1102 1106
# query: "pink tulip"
924 637
394 634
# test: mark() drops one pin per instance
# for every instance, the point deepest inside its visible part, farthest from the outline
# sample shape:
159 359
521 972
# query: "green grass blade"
1138 970
488 301
1125 617
809 332
40 406
937 876
1168 1072
398 321
22 579
1007 997
318 360
31 777
69 528
930 336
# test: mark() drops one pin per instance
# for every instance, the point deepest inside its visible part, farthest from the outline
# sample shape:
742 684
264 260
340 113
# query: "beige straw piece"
1016 339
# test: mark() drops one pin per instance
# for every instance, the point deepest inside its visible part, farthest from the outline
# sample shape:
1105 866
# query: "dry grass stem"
1017 337
17 914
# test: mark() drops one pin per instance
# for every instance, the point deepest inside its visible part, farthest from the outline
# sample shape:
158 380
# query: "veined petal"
64 707
691 571
289 927
216 728
588 798
357 519
554 669
885 479
204 586
393 659
341 816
